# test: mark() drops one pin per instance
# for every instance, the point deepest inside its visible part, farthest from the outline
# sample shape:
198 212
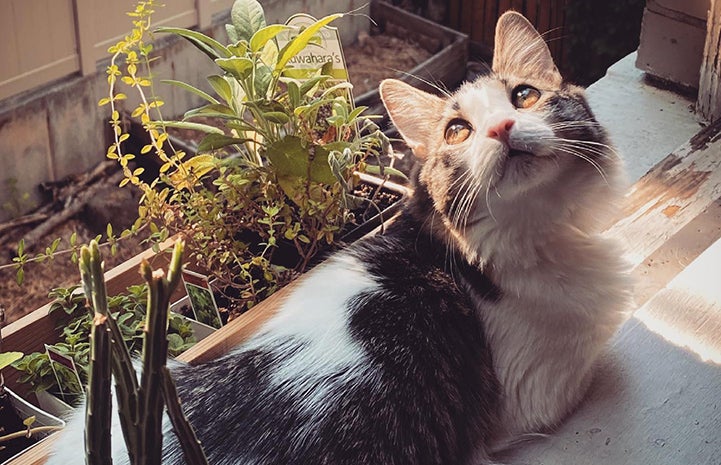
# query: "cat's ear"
415 113
521 51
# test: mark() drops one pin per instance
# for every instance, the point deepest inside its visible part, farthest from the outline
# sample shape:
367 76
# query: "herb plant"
276 169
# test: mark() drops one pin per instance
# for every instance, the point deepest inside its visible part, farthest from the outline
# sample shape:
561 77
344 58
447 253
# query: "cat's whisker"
574 124
433 84
456 204
586 143
586 158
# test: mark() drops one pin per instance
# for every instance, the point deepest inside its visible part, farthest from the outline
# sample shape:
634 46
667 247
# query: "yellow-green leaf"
8 358
261 37
300 42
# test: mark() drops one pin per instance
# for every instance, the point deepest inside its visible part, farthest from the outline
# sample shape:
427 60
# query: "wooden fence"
477 18
44 40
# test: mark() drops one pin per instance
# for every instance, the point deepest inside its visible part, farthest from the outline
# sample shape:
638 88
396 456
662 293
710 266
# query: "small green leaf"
8 358
293 93
29 421
216 141
355 113
261 37
194 126
310 84
374 169
221 87
247 17
263 78
239 67
232 34
277 117
207 45
217 110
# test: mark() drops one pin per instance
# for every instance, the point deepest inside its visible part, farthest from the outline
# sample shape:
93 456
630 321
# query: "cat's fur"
477 316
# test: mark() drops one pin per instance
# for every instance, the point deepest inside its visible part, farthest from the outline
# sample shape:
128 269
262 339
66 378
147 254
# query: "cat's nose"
500 130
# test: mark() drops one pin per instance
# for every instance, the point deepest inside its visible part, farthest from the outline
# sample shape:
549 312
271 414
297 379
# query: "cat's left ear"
521 51
414 113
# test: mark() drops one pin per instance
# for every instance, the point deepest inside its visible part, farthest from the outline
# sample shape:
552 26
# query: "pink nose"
500 130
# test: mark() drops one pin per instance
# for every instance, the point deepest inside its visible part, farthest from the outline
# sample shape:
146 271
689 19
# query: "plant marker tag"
327 53
67 362
316 54
201 298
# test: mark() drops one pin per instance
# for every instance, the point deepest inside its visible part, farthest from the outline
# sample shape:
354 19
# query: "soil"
379 56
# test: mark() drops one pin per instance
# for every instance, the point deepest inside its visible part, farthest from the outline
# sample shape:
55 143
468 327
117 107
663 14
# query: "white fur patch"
316 316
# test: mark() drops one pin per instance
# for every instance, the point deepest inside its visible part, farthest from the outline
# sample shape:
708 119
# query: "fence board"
477 18
75 35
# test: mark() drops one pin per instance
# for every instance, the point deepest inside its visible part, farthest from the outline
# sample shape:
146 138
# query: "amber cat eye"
525 96
457 131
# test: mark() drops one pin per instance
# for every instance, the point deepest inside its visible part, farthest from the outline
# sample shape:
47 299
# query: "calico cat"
475 319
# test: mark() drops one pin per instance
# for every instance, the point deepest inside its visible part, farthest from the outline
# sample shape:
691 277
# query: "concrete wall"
57 130
672 40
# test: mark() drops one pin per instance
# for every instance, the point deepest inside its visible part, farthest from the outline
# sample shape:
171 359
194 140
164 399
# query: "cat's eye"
525 96
457 131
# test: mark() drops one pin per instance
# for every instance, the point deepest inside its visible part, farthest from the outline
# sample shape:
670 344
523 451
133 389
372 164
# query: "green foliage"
74 323
278 164
8 358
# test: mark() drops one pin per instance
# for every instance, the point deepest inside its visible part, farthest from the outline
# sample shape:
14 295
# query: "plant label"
65 372
326 51
201 298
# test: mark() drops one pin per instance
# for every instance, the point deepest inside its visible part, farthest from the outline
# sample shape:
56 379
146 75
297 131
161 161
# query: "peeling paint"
707 135
671 210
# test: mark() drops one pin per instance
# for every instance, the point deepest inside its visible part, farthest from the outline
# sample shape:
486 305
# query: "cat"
474 320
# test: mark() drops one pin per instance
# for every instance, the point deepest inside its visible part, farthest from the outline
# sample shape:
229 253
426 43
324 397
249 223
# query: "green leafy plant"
277 166
74 323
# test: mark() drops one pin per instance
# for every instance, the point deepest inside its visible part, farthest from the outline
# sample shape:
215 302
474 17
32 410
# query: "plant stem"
155 350
29 433
99 402
192 450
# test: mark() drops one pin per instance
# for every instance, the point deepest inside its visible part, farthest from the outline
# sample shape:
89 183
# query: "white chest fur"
546 331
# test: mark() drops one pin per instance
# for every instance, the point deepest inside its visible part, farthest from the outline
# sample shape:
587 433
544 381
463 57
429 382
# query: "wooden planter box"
446 67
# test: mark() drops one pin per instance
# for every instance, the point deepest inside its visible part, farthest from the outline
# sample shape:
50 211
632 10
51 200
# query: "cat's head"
518 147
